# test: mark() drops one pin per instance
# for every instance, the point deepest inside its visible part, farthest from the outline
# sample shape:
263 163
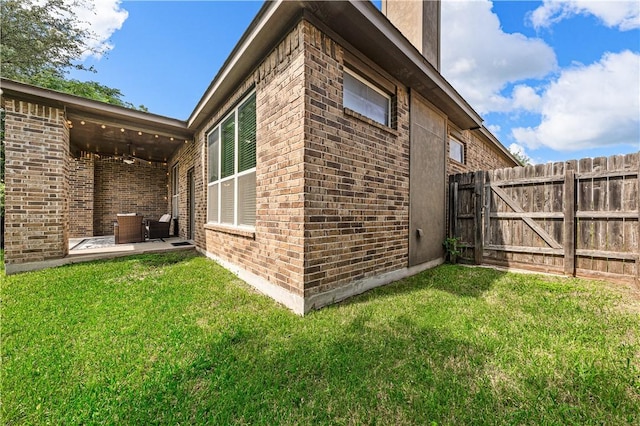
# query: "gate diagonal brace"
529 221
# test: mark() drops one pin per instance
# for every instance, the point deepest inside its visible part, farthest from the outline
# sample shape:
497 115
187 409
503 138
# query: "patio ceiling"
106 129
115 138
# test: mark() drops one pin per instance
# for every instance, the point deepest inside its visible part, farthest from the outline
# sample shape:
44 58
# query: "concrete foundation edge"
335 295
279 294
299 305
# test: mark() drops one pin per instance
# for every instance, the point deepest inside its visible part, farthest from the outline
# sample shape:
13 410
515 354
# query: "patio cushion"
159 228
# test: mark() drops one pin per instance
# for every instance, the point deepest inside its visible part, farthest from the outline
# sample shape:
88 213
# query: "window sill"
232 230
352 113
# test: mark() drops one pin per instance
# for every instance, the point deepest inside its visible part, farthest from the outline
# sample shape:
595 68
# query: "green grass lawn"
176 339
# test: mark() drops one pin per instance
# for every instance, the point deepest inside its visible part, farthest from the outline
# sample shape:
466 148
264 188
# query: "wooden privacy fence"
579 217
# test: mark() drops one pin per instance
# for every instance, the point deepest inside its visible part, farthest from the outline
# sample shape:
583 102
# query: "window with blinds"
231 150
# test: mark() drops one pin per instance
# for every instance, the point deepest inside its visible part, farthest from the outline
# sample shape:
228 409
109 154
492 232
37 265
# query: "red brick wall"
128 188
81 187
37 186
356 179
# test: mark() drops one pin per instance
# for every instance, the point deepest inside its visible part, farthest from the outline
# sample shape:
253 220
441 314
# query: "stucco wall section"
37 186
419 22
356 179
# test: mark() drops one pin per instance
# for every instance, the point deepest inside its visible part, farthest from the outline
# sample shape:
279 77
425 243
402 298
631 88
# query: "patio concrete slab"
109 252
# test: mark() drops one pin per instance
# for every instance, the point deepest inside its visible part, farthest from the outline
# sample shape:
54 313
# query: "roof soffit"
108 129
358 23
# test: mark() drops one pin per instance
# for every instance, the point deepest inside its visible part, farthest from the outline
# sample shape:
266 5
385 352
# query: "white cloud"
589 106
494 128
480 59
625 15
526 98
102 18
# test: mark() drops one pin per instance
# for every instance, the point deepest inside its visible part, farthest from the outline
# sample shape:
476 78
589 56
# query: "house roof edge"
492 138
345 18
78 104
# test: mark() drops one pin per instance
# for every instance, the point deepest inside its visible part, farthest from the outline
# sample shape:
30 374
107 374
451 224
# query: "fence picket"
569 237
577 217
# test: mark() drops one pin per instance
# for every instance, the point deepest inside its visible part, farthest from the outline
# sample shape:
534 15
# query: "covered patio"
73 164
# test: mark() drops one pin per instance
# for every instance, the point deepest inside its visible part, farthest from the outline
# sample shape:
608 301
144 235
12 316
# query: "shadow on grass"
169 258
464 281
360 373
461 281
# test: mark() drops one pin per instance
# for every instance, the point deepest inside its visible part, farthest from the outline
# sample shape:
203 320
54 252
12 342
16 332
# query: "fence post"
478 245
453 207
569 210
487 208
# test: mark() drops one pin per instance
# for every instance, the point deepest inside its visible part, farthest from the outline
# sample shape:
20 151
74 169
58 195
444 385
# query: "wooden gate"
577 217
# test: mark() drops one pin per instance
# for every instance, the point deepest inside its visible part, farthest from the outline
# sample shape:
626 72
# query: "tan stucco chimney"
419 22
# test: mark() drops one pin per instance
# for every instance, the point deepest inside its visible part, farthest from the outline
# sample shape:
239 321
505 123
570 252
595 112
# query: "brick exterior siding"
36 177
190 156
332 187
128 188
275 251
99 189
81 187
356 179
480 154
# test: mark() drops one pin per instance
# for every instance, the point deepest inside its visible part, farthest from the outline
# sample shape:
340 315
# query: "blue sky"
557 79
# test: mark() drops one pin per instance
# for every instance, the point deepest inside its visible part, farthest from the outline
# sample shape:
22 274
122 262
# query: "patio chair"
158 228
128 228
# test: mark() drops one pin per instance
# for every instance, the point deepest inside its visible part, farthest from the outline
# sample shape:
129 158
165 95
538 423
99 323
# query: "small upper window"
456 150
364 98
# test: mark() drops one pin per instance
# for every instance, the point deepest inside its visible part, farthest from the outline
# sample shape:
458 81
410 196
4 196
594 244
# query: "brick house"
314 166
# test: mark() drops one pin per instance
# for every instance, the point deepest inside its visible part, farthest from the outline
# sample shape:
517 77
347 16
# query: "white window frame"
453 141
175 192
235 176
375 89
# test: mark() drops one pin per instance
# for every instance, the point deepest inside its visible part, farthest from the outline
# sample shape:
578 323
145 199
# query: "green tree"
521 157
42 36
40 41
86 89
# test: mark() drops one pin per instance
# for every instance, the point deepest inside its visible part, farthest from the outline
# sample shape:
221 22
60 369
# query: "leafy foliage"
42 40
39 36
87 89
522 158
452 247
